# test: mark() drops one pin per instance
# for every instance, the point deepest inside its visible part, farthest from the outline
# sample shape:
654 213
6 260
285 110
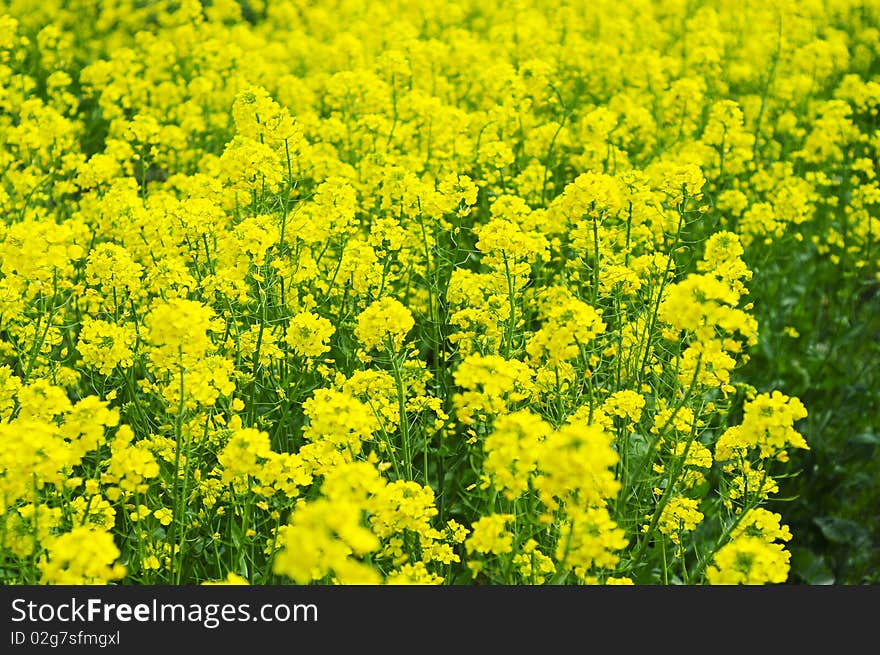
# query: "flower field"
486 293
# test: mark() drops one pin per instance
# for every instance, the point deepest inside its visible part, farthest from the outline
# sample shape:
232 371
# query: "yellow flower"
490 535
625 404
230 579
384 324
164 515
308 334
767 425
749 561
679 515
106 345
82 556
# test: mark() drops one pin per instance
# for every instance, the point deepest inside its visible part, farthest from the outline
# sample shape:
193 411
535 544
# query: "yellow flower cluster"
80 557
753 556
457 294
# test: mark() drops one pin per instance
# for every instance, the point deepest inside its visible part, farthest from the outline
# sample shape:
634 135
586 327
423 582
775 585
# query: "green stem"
177 498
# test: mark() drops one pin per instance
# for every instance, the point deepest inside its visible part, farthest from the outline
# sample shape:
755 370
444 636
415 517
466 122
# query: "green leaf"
810 567
243 566
840 531
866 438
